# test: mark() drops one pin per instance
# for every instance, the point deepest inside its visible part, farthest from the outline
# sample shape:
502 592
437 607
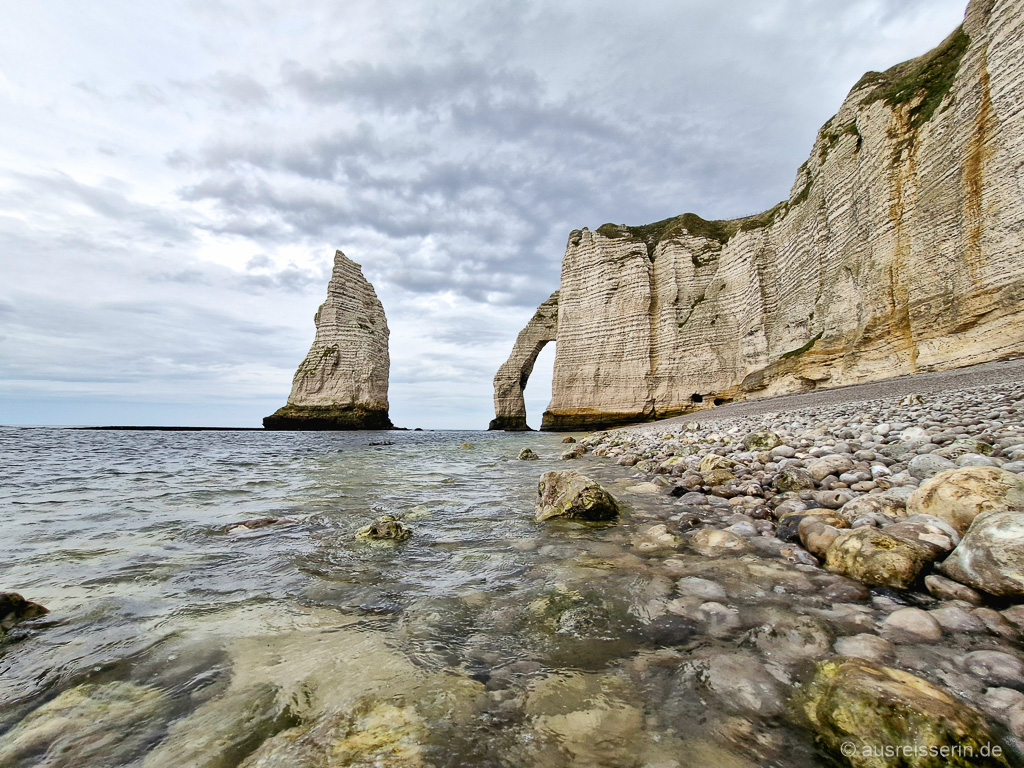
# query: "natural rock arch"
510 381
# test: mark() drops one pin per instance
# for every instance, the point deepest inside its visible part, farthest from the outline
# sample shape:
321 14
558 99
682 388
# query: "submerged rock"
586 720
912 625
244 526
859 709
571 494
376 733
991 555
386 528
14 608
343 696
960 495
713 542
221 730
527 454
89 724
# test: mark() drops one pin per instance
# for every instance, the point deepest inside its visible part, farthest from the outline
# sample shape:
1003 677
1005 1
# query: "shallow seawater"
485 640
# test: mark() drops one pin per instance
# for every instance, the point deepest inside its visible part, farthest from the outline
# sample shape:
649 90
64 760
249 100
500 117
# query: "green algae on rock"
866 712
878 558
571 494
385 528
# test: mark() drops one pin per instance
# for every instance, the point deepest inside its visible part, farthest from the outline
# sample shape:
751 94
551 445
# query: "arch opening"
537 398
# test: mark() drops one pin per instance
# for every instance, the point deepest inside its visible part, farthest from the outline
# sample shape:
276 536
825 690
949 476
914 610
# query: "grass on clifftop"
652 234
927 78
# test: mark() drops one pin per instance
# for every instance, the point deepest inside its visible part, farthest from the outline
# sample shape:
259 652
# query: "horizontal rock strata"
343 382
896 252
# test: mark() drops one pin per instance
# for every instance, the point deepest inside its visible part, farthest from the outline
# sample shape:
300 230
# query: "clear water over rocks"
180 635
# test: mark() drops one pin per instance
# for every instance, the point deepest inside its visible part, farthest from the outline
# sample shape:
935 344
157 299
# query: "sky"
175 177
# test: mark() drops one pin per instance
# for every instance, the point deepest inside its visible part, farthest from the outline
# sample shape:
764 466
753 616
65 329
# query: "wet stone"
996 668
912 625
865 646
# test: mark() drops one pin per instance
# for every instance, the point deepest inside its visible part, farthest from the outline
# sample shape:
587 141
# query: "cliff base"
327 417
510 424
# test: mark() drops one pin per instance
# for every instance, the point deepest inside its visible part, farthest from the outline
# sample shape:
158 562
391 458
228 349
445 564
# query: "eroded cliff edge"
343 381
898 250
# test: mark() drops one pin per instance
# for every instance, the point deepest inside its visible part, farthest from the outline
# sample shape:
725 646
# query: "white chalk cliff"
343 382
900 249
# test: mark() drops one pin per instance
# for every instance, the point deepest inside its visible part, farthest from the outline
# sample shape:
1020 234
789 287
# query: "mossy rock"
386 528
875 557
570 494
860 710
761 441
794 479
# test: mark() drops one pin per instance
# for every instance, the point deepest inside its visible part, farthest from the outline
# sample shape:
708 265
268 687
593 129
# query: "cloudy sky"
175 177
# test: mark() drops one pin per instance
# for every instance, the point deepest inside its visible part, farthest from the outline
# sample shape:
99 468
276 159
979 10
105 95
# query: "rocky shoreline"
896 524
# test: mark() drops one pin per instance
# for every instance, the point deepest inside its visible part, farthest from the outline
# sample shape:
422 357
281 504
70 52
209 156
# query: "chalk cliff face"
343 382
899 250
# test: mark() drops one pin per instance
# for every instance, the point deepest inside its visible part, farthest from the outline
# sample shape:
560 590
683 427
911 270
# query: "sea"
176 636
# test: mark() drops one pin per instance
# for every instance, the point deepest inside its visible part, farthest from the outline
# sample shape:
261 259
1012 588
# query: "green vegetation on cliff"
688 223
927 78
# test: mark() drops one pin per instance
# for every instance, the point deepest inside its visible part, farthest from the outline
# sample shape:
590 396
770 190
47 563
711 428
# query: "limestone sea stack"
343 382
897 251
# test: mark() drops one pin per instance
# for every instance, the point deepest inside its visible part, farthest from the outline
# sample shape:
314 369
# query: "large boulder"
863 710
991 555
15 608
573 495
878 558
959 495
